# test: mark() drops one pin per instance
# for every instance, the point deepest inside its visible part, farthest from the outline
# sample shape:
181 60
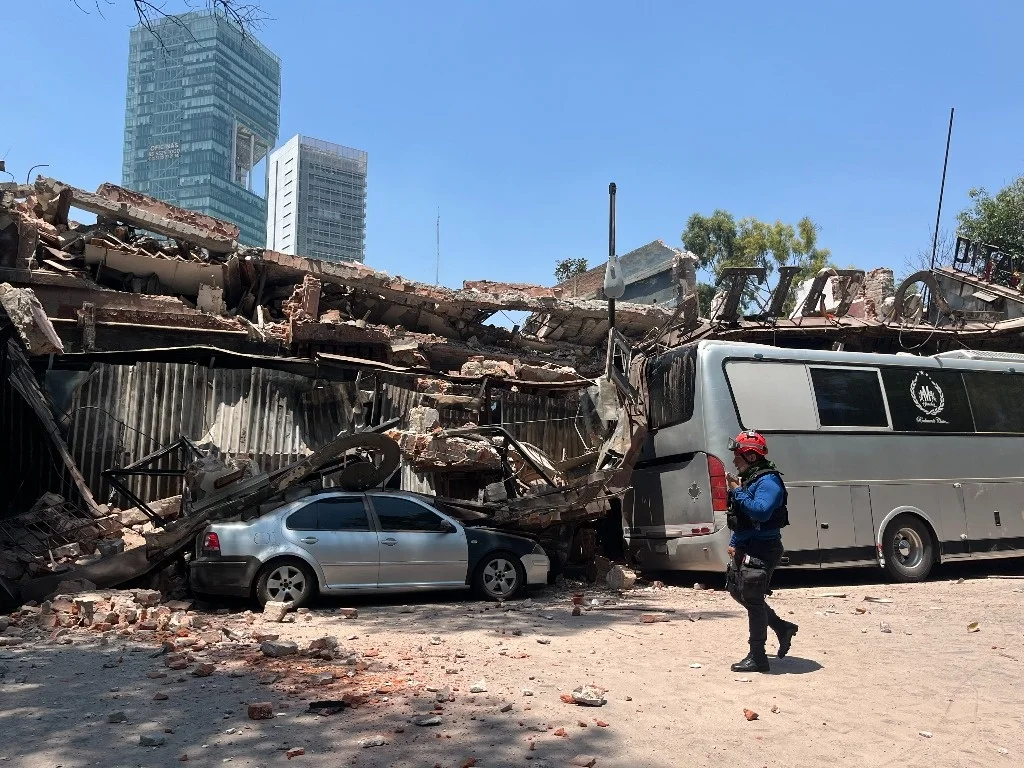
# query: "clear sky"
512 117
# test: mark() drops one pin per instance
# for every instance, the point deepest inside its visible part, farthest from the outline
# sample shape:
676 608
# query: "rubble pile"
192 641
151 264
138 610
437 452
54 537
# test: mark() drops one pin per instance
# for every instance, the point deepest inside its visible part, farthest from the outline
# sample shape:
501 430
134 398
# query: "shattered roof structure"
151 275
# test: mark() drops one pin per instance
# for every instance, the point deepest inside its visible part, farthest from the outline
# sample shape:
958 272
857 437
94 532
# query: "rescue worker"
757 514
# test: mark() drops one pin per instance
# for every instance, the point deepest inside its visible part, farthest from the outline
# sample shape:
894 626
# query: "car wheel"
908 548
499 576
286 581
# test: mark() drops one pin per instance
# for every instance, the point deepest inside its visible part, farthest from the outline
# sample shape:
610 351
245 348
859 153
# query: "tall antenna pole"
942 189
611 247
437 266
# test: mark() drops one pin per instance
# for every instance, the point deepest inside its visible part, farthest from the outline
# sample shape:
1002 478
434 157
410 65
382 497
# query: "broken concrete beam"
33 327
460 314
501 289
478 367
438 453
117 194
146 213
546 372
182 277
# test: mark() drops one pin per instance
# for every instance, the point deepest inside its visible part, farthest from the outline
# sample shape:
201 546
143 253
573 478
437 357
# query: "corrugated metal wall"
549 423
122 413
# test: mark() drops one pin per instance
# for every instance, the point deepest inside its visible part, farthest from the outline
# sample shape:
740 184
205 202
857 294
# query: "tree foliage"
996 220
567 269
248 17
720 241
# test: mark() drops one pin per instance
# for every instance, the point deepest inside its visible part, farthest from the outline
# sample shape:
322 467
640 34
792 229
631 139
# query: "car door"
337 532
418 546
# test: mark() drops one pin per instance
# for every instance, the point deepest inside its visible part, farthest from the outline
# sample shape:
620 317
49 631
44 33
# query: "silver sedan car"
336 542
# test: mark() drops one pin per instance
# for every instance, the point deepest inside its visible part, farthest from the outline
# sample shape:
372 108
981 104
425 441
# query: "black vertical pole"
942 189
611 246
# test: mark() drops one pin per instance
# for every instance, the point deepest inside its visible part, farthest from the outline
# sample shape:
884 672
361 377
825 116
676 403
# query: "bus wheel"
908 549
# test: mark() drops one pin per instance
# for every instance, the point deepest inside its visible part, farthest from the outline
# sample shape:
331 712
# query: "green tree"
996 220
567 269
711 238
719 241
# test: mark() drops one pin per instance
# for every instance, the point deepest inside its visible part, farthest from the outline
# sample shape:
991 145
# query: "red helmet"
749 441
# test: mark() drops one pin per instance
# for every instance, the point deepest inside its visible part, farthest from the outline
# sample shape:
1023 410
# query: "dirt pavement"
927 692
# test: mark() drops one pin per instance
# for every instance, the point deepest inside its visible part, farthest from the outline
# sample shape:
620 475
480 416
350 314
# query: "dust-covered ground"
902 683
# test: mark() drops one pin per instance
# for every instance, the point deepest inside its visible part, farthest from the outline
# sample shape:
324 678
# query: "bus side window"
771 396
997 400
849 397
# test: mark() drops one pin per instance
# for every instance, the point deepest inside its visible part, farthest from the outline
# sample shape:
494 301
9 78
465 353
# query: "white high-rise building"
316 200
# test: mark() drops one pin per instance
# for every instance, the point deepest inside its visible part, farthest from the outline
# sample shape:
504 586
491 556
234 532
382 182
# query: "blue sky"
512 117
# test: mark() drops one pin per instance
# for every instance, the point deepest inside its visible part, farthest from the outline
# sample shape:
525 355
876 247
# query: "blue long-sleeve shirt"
759 501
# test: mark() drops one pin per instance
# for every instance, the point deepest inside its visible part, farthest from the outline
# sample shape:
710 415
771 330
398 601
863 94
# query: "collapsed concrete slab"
26 315
148 213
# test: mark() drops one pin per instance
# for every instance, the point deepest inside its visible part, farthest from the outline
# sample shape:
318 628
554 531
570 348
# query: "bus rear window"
670 383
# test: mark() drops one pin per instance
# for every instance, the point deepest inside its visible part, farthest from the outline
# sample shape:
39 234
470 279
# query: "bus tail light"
719 487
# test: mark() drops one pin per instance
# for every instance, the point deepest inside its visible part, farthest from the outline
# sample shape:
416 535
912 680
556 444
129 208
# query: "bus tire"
908 548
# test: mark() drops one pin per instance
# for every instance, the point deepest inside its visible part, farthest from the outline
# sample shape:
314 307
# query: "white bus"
896 460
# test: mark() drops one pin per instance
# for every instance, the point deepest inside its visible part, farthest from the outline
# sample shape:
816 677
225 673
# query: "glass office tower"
316 200
203 109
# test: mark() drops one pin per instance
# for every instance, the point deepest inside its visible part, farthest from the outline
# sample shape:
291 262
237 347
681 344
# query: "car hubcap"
500 577
908 547
286 584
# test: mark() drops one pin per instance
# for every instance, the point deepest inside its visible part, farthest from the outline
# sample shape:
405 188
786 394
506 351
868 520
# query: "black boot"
786 637
755 661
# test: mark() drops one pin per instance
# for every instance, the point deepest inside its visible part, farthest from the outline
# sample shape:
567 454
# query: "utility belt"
748 580
739 522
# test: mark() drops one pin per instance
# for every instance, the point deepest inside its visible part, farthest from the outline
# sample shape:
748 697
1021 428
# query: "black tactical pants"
760 616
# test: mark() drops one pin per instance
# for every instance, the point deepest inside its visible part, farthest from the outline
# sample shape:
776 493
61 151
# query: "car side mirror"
449 528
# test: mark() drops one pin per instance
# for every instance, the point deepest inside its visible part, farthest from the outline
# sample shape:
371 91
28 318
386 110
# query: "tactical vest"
738 520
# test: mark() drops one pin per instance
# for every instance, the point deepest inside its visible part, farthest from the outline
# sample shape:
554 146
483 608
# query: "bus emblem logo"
927 395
